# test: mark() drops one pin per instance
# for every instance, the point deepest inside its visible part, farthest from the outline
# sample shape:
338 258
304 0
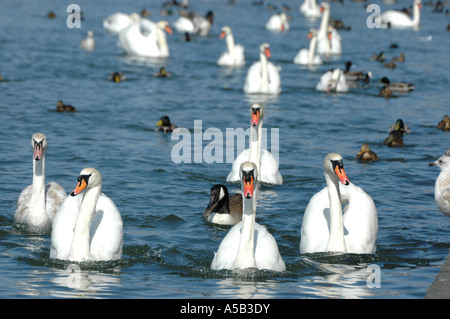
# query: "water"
168 247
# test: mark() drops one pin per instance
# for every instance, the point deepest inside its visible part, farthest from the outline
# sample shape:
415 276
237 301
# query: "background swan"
309 56
328 39
235 54
88 44
397 19
332 81
442 186
145 38
248 244
263 159
88 225
325 229
310 9
278 22
263 76
192 22
223 208
38 202
119 21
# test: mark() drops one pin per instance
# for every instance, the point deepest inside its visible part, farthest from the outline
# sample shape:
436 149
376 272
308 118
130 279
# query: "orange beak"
267 52
169 30
222 34
255 118
420 6
329 36
248 187
282 27
80 187
310 35
340 172
322 9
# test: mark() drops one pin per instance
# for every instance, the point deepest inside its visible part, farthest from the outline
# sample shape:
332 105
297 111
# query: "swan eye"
83 177
38 145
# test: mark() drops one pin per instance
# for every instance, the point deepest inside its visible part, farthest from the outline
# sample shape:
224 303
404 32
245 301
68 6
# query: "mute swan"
442 186
278 22
329 40
61 107
310 9
223 208
38 202
235 54
397 19
332 81
263 159
88 225
444 124
263 76
119 21
146 39
397 86
326 229
308 56
248 244
88 44
366 155
192 22
164 125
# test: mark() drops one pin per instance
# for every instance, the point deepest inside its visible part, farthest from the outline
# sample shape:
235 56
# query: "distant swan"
235 54
223 208
310 9
263 159
119 21
88 225
38 202
397 19
329 40
309 56
263 76
326 229
88 44
442 186
146 38
192 22
333 81
278 22
248 244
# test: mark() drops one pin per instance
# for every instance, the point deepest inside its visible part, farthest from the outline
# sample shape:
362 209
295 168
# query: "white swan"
192 22
119 21
325 229
333 81
248 244
38 202
263 76
88 44
145 38
310 9
235 54
397 19
328 39
308 56
88 226
263 159
442 186
278 22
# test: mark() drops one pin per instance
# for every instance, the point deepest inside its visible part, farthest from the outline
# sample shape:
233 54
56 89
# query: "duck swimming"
117 77
61 107
164 125
223 208
396 133
366 155
444 124
162 73
386 92
397 86
356 75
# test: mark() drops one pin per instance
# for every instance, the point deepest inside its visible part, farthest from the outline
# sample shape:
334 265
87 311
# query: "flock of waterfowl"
86 224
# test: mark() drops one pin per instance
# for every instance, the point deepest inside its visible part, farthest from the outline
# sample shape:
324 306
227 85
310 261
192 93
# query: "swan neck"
324 22
255 145
162 42
245 257
416 13
230 43
312 49
264 71
336 241
37 203
80 248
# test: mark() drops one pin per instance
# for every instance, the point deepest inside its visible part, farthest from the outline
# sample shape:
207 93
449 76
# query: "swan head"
256 114
312 33
248 175
443 162
218 198
164 25
324 6
265 49
334 166
39 145
226 30
419 3
90 34
88 178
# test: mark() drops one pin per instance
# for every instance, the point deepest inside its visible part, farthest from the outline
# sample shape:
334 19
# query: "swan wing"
267 255
269 169
243 156
396 18
228 249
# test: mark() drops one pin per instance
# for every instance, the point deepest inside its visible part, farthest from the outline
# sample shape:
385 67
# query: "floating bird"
442 186
444 124
235 54
396 133
39 202
88 44
310 9
164 125
333 81
378 57
398 19
223 208
61 107
400 87
88 226
162 73
366 155
51 15
390 65
386 92
400 58
355 76
326 227
117 22
192 22
117 77
309 56
278 22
